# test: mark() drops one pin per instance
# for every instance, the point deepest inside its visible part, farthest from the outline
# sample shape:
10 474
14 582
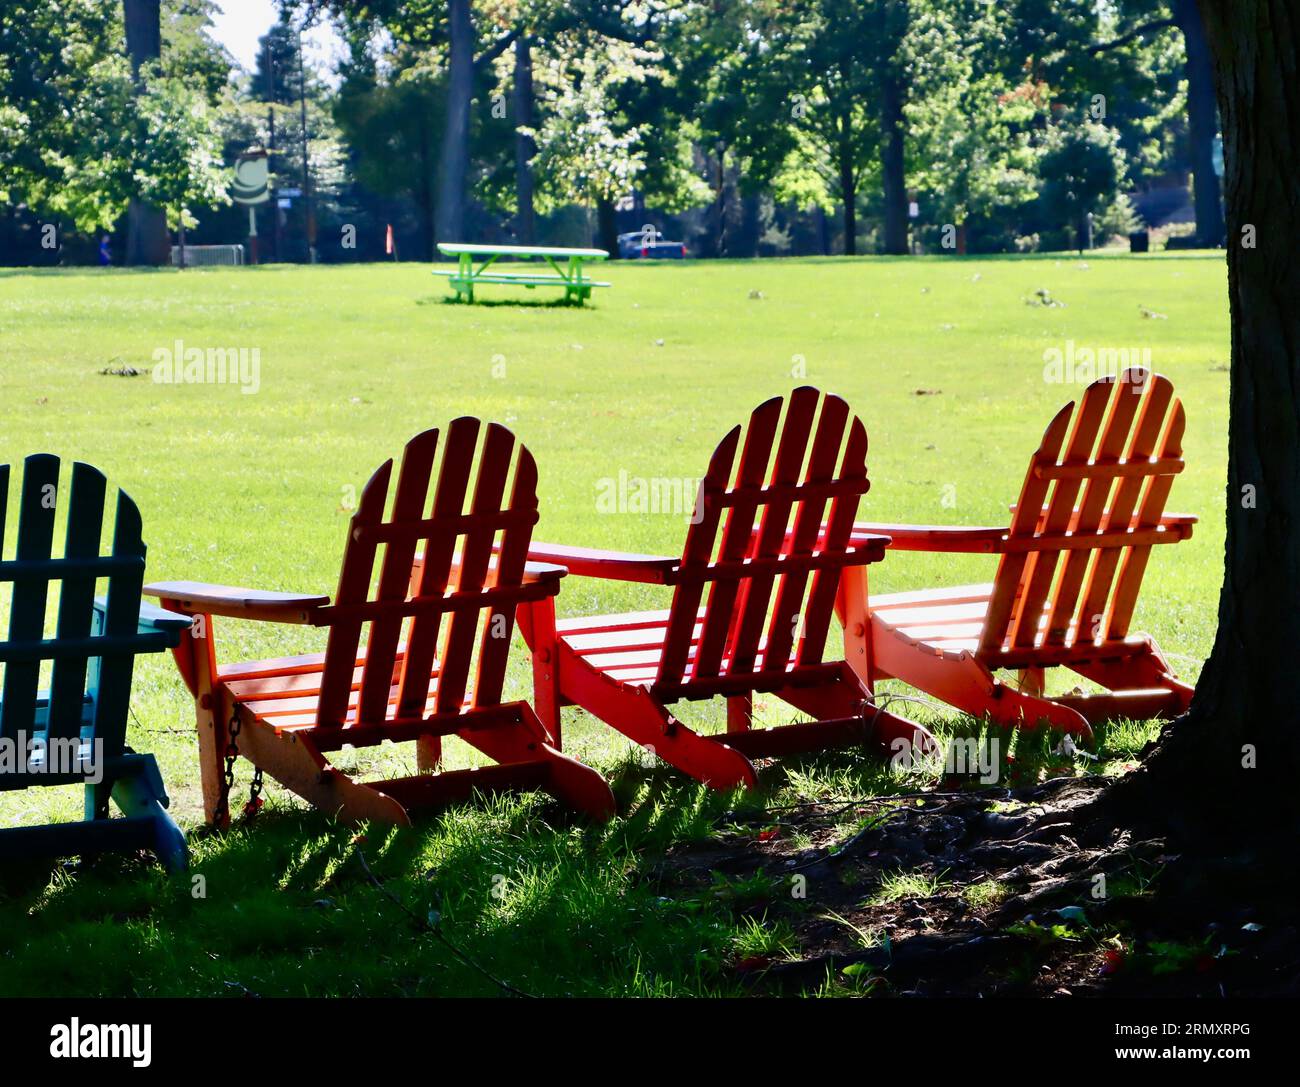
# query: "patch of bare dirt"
991 892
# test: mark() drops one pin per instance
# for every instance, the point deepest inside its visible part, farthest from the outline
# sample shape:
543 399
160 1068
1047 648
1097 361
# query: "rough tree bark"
1248 697
146 227
1203 122
525 147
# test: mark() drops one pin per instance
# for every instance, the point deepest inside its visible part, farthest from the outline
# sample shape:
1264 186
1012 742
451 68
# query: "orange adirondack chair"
285 715
768 596
1072 560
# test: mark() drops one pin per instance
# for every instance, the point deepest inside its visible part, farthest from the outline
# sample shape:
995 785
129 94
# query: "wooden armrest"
954 539
196 597
543 571
152 619
160 619
617 565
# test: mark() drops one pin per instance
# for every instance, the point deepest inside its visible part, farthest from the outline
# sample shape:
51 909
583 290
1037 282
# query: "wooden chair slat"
1121 410
755 593
807 525
1006 581
695 554
1133 564
395 575
121 620
489 487
76 599
494 649
839 528
27 606
1040 569
1146 433
737 532
344 641
4 506
434 571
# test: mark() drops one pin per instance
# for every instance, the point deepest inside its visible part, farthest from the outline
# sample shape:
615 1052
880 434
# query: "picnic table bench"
568 274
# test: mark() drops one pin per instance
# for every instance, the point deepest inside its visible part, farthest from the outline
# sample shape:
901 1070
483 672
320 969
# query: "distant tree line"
743 127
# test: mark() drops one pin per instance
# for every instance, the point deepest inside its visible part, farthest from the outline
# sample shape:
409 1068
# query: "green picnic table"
566 265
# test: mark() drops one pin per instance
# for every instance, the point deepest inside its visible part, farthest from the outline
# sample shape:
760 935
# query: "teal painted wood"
27 616
92 651
76 602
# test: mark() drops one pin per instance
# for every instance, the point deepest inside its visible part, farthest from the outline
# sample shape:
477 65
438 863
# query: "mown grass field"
943 359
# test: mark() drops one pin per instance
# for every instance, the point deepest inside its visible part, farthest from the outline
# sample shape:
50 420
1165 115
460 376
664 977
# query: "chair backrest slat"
1117 512
343 643
111 670
1060 516
455 577
737 533
756 606
433 575
489 489
30 592
755 594
91 659
696 554
1133 560
76 601
1112 474
839 527
395 576
508 573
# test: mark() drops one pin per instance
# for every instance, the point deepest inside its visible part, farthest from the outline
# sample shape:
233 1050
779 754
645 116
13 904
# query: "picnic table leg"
466 271
575 277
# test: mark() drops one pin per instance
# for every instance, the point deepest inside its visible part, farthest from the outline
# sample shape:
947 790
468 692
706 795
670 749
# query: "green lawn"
943 359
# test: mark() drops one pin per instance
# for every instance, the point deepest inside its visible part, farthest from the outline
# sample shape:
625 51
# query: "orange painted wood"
1089 512
418 571
753 599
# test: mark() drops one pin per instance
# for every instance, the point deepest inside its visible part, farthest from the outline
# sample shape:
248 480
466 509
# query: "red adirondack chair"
1090 510
751 608
285 715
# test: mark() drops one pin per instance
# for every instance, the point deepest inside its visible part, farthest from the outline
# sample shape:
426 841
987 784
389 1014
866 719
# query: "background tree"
175 153
146 237
1081 170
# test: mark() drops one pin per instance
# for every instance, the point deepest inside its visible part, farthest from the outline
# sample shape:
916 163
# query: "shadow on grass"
516 303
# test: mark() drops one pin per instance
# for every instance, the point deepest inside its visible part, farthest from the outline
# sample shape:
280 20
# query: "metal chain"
255 800
222 813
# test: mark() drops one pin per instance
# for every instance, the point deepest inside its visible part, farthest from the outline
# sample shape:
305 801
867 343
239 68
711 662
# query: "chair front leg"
851 607
536 619
196 657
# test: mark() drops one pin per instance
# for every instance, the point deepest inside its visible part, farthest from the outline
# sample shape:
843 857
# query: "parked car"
638 244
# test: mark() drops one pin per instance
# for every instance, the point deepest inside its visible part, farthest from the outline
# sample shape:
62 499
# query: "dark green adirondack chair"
73 731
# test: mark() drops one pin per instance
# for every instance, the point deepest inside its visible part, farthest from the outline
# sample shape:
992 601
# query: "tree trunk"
146 227
1245 708
607 226
848 188
893 172
424 195
1202 121
525 147
453 163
